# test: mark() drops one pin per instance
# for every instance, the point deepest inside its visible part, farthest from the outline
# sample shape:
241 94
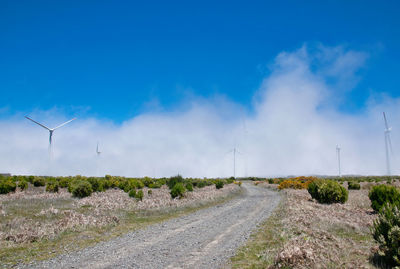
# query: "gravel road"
204 239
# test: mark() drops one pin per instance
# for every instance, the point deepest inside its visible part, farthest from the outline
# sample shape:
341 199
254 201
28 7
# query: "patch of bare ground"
302 233
35 224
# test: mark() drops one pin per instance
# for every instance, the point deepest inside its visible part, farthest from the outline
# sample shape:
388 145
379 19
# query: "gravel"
204 239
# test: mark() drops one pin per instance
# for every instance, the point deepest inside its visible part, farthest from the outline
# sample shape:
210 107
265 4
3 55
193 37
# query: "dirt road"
204 239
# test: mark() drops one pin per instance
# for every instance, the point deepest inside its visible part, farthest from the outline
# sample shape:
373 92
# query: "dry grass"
37 219
305 234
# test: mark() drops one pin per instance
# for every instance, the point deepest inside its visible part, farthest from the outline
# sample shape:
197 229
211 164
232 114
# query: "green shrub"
353 185
132 193
172 181
63 182
39 182
189 186
139 195
386 231
52 186
23 185
149 192
81 188
382 194
97 184
219 184
202 184
7 185
270 181
327 191
155 185
177 190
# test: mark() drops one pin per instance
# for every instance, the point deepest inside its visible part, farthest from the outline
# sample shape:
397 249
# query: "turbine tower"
97 149
338 157
51 130
388 144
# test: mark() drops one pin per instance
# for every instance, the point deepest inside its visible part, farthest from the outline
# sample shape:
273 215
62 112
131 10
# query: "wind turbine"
51 130
234 150
388 144
338 156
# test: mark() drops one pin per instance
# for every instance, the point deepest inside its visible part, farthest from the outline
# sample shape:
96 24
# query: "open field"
36 224
302 233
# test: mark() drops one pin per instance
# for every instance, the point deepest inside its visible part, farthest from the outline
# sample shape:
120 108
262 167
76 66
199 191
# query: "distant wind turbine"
234 150
51 130
388 144
338 157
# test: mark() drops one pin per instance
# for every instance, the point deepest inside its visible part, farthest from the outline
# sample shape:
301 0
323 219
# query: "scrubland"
37 224
303 233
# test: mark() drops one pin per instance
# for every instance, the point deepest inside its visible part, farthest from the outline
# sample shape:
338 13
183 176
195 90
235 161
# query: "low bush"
296 183
177 191
63 182
189 186
23 185
353 185
97 184
382 194
386 231
327 191
81 188
239 183
52 186
7 185
39 182
149 192
139 195
270 181
132 193
172 181
219 184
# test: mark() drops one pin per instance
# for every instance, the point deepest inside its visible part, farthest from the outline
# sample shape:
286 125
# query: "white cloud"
293 129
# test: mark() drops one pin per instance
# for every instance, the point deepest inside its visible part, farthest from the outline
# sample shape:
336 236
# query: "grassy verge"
265 243
12 254
302 233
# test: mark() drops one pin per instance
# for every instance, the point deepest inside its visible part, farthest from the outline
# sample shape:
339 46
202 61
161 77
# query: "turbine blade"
64 123
386 123
38 123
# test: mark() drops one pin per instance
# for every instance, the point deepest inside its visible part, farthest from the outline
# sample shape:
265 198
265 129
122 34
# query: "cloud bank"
292 129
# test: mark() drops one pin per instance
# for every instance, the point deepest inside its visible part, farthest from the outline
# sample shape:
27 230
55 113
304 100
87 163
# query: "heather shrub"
132 193
172 181
178 190
23 185
353 185
386 231
219 184
382 194
52 186
39 182
189 186
296 183
139 195
81 188
327 191
290 184
7 185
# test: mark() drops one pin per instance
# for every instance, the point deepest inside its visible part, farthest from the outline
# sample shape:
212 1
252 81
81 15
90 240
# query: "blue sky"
116 59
